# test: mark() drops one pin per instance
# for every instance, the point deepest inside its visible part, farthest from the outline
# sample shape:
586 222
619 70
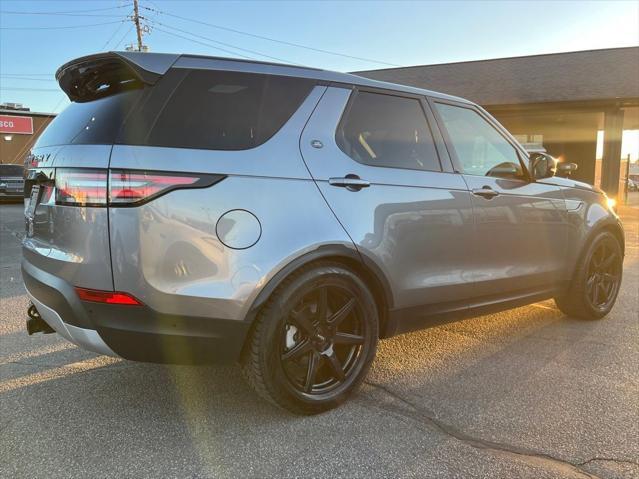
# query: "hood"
570 183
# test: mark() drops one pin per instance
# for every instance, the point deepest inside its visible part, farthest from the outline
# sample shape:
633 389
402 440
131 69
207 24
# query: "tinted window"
215 110
11 170
91 122
480 148
386 130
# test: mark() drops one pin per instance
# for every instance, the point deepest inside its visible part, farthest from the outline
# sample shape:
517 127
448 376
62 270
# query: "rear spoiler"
95 76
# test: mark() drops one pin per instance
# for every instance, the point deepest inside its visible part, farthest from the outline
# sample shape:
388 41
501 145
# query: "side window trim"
355 90
445 160
448 141
342 119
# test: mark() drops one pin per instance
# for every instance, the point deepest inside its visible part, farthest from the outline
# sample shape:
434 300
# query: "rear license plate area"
33 202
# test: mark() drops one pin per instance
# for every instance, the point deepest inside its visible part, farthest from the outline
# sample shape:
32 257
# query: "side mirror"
542 165
566 169
504 170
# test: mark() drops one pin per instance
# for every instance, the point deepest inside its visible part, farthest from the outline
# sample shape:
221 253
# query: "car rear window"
90 122
217 110
11 170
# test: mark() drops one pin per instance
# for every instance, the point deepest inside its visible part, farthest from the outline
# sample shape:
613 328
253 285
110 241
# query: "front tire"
595 285
314 340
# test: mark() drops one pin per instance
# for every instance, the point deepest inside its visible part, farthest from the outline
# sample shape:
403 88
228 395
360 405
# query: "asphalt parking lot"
526 393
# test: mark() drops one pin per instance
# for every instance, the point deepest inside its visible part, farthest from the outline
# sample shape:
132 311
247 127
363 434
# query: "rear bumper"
137 333
85 338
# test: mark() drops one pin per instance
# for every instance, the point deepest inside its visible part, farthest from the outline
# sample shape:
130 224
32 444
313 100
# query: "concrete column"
611 161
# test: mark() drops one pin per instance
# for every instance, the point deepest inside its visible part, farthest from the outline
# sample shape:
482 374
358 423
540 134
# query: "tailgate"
67 221
70 242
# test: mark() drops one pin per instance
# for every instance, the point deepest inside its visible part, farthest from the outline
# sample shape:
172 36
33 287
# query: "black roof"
153 65
558 77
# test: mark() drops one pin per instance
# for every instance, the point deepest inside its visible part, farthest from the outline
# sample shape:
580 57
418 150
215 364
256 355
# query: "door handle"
486 192
350 182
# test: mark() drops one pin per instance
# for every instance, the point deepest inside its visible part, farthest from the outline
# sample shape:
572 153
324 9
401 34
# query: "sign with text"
19 125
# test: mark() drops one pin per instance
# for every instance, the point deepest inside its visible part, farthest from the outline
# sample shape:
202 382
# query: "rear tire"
594 287
314 340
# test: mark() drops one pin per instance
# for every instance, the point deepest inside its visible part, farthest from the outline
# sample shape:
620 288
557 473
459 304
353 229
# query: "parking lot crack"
534 458
607 459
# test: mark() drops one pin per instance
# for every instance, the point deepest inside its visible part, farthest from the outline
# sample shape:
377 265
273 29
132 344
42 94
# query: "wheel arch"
613 227
363 266
618 233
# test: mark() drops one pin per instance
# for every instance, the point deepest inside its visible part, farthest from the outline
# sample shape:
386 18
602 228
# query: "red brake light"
128 187
108 297
75 187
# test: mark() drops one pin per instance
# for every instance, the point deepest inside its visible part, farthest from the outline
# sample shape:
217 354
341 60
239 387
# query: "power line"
202 43
26 74
62 28
126 34
112 36
68 12
223 43
262 37
29 89
6 12
15 77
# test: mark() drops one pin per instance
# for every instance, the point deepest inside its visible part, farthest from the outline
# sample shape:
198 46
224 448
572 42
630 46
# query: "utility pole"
136 20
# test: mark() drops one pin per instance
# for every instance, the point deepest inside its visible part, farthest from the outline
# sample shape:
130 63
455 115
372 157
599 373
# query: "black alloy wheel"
322 340
596 281
314 340
604 275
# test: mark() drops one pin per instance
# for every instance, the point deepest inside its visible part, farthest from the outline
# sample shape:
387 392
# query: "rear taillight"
130 187
78 187
75 187
107 297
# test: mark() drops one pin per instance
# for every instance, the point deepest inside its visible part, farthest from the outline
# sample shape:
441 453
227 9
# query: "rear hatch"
67 222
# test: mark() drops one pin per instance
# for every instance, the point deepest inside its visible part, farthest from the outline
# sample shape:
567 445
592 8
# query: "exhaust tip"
35 323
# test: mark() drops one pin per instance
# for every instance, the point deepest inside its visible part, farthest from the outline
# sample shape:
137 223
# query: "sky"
367 34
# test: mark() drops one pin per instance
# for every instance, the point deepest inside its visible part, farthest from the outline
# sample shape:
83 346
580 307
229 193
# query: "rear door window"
389 131
217 110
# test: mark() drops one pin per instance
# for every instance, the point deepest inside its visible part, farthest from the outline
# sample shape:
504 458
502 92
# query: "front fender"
588 214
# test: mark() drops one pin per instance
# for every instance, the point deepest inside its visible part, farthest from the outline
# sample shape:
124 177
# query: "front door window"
480 148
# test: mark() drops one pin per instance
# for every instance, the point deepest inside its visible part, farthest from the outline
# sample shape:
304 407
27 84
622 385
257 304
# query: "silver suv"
188 209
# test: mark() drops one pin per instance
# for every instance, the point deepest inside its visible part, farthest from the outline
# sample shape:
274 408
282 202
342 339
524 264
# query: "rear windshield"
93 122
215 110
11 170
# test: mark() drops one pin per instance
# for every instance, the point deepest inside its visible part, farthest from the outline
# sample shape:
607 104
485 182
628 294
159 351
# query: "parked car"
11 182
632 185
187 208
